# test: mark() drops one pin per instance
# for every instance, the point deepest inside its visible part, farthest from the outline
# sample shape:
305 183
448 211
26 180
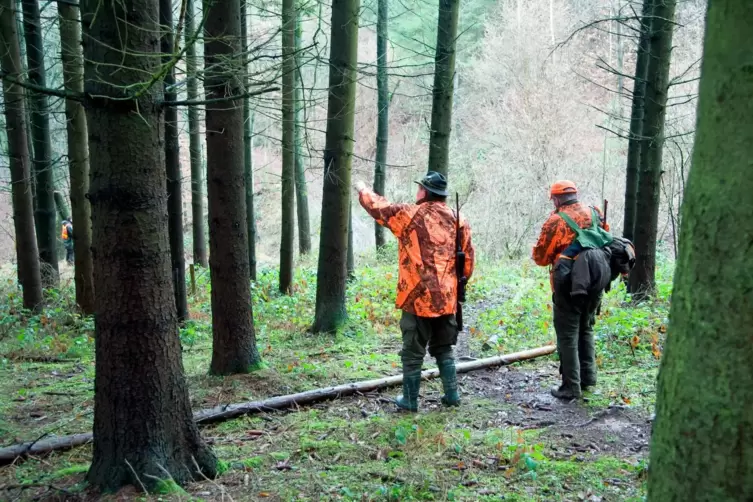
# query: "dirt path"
573 426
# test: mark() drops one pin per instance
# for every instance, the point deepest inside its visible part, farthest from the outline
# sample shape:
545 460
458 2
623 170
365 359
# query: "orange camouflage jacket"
556 235
427 281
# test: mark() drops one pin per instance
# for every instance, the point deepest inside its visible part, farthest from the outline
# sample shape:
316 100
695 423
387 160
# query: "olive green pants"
574 323
438 333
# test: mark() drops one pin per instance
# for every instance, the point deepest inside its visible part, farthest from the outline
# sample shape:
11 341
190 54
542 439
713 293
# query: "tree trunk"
383 105
641 282
702 441
301 190
444 78
338 152
636 142
287 238
45 217
172 164
234 342
198 182
62 207
78 154
143 425
248 151
27 254
351 264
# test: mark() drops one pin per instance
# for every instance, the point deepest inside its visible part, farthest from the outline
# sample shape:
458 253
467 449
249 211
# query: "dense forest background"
543 91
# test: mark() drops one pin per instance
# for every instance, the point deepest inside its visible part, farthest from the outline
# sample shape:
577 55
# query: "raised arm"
395 217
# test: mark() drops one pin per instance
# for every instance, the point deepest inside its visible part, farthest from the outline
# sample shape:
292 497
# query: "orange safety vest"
64 233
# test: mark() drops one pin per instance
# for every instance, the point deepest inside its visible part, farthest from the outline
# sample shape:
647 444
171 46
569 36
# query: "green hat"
435 183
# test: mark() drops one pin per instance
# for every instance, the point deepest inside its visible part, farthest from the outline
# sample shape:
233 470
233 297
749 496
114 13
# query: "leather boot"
411 384
449 381
567 392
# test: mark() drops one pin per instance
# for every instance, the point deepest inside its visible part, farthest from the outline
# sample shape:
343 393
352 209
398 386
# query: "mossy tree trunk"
301 189
642 278
338 153
14 107
248 151
45 214
444 80
198 183
172 165
636 142
351 265
143 425
287 239
702 441
62 206
234 341
383 108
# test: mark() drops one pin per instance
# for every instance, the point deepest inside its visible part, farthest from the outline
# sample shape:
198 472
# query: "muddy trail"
523 393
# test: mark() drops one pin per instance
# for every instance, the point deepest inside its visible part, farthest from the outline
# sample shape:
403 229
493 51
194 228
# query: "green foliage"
351 448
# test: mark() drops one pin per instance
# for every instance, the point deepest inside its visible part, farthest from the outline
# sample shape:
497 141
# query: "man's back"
426 235
556 235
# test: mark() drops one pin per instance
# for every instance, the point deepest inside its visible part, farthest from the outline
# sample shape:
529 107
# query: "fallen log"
33 448
230 411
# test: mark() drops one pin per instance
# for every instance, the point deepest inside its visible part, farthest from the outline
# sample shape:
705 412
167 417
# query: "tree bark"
287 238
198 182
142 415
338 151
301 189
234 342
383 105
702 441
444 78
62 207
248 151
172 165
636 142
642 281
45 217
78 155
351 264
27 254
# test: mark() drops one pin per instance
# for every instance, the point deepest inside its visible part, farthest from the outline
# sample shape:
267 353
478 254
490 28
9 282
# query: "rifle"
606 202
459 267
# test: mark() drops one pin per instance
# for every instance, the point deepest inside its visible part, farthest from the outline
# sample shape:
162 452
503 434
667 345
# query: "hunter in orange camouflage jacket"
427 281
556 235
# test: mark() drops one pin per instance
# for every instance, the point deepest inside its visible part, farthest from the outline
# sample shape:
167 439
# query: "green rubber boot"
408 401
449 381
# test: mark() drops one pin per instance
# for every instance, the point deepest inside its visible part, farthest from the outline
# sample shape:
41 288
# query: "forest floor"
510 440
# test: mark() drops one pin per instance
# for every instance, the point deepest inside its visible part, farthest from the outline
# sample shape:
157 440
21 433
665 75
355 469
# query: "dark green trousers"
438 333
574 323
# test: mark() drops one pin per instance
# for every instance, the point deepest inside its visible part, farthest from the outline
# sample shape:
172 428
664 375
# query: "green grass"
353 448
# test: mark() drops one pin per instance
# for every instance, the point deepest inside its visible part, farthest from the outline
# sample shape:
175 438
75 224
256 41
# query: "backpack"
588 238
622 259
599 256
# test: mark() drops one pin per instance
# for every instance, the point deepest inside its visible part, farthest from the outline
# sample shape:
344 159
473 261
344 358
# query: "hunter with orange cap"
427 286
574 316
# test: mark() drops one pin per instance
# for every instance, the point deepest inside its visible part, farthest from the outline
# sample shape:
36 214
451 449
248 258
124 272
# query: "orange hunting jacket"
427 281
556 235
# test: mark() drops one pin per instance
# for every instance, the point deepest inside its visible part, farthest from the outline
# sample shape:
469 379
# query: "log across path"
230 411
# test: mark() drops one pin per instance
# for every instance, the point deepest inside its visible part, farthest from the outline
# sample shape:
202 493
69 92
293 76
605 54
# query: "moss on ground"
354 448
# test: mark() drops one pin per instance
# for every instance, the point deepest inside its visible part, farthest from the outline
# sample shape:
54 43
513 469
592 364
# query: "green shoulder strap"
593 237
571 223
